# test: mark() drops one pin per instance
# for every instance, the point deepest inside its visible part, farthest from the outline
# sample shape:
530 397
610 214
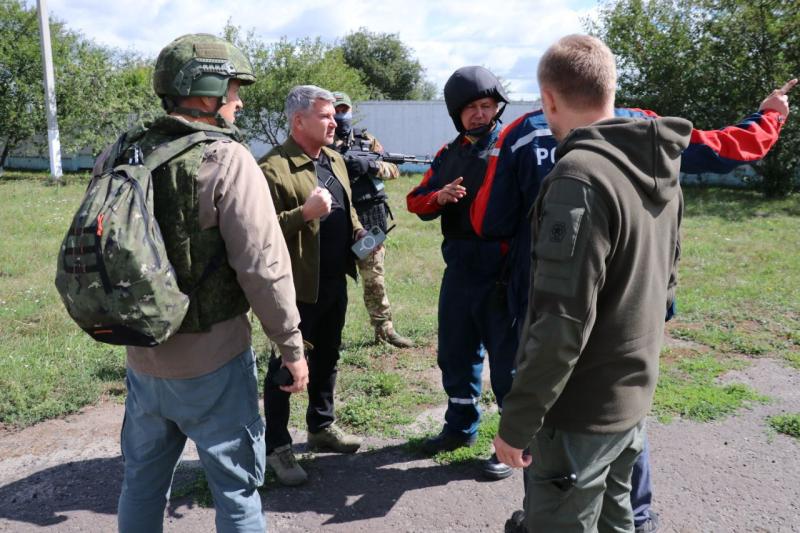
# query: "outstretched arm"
749 141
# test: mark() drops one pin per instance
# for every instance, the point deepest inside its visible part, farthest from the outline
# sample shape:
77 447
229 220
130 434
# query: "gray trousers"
597 498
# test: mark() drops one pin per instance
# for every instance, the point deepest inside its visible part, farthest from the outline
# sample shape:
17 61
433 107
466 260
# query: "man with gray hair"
312 197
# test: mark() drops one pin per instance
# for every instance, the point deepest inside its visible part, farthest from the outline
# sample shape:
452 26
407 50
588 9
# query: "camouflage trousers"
375 299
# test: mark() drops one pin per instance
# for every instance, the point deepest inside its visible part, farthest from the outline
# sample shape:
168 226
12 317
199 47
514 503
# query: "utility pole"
53 141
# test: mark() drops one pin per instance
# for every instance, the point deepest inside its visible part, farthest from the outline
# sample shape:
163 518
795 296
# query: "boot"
650 525
332 438
447 441
516 524
283 463
386 333
494 469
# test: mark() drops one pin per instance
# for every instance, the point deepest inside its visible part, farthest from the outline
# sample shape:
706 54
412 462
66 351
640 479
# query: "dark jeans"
641 486
321 324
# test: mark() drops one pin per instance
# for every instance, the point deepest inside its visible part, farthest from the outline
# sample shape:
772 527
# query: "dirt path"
728 476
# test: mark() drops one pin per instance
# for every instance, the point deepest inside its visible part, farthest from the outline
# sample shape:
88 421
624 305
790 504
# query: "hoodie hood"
655 167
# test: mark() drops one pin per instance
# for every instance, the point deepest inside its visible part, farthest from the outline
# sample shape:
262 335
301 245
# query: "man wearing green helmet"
222 237
199 65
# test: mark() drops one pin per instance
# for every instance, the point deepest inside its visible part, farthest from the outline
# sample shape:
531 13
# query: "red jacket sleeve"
422 198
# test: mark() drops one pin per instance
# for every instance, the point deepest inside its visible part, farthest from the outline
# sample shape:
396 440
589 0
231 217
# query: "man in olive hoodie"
605 250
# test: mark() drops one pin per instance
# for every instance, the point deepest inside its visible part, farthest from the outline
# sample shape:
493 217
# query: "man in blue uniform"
470 317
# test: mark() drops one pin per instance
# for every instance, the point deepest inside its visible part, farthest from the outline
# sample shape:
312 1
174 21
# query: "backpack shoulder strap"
166 151
114 153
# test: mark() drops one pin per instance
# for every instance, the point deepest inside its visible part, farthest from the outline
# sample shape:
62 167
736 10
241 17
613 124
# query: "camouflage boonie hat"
200 64
340 98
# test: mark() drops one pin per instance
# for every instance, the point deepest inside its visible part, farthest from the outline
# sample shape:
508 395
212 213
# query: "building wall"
418 127
412 127
68 163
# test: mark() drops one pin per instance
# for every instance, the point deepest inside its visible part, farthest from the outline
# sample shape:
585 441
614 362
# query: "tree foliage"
21 100
280 66
710 61
110 93
388 66
98 91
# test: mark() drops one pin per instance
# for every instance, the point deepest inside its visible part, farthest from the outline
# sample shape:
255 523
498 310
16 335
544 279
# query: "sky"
505 36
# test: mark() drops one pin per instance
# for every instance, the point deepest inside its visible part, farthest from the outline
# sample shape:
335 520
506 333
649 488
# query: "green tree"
388 66
280 66
98 91
102 93
107 93
709 61
21 100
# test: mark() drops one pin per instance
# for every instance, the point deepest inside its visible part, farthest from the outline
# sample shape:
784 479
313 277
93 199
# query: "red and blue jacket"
462 247
525 153
422 198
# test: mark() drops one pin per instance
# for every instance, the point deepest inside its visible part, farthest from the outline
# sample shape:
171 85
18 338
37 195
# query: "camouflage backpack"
113 274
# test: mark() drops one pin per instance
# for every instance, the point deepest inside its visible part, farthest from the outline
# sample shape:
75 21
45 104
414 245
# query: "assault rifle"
358 156
371 158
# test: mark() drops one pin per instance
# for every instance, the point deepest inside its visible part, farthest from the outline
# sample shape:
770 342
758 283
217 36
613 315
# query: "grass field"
739 295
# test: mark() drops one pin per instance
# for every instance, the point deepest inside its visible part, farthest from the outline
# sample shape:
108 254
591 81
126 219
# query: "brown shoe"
284 464
332 438
386 333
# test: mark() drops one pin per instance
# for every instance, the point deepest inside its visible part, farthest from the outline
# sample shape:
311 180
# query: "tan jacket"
291 177
233 196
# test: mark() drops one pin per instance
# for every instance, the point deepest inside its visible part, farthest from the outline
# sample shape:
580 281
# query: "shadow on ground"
345 488
362 486
40 498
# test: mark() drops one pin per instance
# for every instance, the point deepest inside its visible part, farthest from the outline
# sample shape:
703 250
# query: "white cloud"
506 36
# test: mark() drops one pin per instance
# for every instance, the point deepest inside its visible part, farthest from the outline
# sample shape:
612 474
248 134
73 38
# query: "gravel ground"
734 475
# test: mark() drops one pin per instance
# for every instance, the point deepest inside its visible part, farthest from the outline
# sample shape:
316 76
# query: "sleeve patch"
561 224
555 249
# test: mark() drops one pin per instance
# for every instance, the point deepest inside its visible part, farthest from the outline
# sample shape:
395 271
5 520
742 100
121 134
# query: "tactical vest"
366 189
191 250
462 159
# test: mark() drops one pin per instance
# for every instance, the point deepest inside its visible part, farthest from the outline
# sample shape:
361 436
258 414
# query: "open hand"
452 192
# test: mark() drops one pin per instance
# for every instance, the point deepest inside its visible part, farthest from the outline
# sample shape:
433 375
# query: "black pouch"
282 377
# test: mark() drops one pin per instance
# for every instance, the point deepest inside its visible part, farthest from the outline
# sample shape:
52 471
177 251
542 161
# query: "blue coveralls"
473 313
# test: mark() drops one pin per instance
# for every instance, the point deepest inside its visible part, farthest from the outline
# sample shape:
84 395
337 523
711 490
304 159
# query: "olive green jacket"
292 177
605 243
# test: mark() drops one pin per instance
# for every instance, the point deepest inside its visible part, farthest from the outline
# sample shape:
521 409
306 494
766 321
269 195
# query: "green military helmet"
340 98
200 64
